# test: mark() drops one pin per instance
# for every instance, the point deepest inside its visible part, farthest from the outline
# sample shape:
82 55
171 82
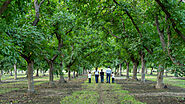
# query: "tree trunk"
61 80
15 69
74 74
166 73
37 74
143 67
120 69
127 76
160 73
51 73
30 77
69 76
83 70
151 73
77 74
146 70
1 74
135 64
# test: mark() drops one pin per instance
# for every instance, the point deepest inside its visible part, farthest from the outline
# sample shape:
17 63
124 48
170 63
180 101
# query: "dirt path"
100 93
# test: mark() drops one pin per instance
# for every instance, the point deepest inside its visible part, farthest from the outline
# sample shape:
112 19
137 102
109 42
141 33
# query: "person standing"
96 75
102 76
89 76
108 73
112 77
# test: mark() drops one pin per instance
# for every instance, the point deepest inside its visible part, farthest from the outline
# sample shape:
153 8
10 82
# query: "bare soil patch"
44 93
147 93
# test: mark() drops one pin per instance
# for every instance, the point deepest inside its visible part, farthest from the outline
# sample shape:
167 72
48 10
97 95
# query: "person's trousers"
108 77
102 78
89 80
112 80
96 78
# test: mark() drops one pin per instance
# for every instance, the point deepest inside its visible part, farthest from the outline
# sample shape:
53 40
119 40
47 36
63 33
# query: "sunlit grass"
167 80
92 92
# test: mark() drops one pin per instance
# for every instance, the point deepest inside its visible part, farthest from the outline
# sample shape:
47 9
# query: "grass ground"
169 80
79 91
100 93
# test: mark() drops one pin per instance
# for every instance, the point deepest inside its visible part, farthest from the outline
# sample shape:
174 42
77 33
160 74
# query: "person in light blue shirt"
108 73
96 72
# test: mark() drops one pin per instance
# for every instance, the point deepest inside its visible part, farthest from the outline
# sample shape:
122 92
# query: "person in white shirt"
108 73
89 76
112 77
96 72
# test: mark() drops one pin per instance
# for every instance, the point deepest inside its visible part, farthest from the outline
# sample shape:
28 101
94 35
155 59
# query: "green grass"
167 80
81 97
7 76
6 90
91 93
8 87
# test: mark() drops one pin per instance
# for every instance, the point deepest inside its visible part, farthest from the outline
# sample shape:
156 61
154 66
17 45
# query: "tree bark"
142 55
160 73
15 69
30 77
61 80
135 64
74 74
69 74
77 74
1 74
120 68
166 73
4 6
127 76
151 73
51 73
83 70
37 73
37 8
161 33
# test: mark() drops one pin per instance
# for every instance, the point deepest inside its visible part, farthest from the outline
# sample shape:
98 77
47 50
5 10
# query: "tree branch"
54 57
173 59
149 51
110 32
69 31
37 7
161 34
172 20
41 3
47 59
25 57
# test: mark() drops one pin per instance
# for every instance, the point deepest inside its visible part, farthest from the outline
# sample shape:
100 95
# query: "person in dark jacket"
102 76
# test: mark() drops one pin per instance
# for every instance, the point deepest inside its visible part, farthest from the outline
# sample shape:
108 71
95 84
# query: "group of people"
108 75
